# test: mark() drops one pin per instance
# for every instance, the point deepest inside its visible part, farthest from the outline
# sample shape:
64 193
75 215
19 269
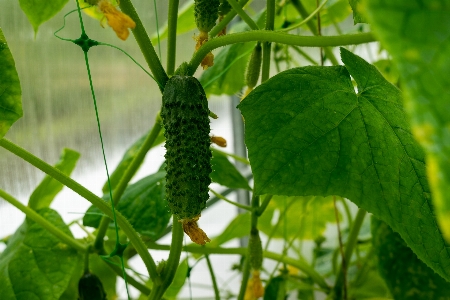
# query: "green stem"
227 19
172 35
236 157
213 276
129 173
264 204
277 37
305 55
351 243
300 264
245 277
312 26
306 20
245 207
88 195
244 16
30 213
146 46
168 273
266 47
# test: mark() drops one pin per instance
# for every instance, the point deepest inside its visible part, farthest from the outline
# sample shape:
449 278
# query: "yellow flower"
118 21
255 289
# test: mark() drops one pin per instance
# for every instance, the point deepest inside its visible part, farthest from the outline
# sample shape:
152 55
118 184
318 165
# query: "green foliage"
188 157
142 204
406 276
40 11
10 91
35 263
275 289
421 55
225 173
324 139
178 281
358 17
49 187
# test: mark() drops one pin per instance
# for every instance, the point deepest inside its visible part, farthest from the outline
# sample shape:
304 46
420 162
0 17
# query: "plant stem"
172 35
88 195
277 37
245 277
133 282
351 242
146 46
30 213
312 26
264 204
306 20
245 207
297 263
168 273
236 157
129 173
213 276
244 16
266 47
227 19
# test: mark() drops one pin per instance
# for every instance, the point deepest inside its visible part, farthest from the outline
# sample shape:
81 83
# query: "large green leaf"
406 276
10 91
46 191
225 173
417 35
36 265
143 204
309 133
238 227
299 217
39 11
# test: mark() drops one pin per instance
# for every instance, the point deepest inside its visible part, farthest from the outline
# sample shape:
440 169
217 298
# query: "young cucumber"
188 158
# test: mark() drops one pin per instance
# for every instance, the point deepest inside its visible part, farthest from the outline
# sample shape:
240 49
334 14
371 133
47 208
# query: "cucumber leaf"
417 35
406 276
35 264
225 173
143 204
309 133
357 7
40 11
10 91
49 187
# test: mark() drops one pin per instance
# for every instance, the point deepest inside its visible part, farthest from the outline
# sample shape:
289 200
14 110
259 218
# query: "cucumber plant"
330 136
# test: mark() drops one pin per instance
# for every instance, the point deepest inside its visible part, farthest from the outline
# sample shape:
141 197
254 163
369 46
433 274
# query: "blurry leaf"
319 137
299 217
227 74
35 264
275 289
417 35
143 204
71 292
356 7
49 187
185 23
127 158
178 281
388 69
334 11
39 11
10 92
406 276
239 227
225 173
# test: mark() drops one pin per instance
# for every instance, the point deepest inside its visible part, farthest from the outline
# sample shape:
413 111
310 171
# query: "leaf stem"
171 266
245 207
244 16
277 37
245 277
266 46
129 173
227 19
264 204
213 276
300 264
351 243
306 20
146 46
172 35
88 195
30 213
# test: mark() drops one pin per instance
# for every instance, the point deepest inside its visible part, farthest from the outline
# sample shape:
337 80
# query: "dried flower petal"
196 234
118 21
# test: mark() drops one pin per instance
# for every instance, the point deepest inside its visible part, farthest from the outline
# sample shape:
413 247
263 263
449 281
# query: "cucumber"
206 13
188 156
90 288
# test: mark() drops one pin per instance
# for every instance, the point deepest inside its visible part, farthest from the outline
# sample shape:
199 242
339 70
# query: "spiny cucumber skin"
206 13
188 158
254 67
224 7
255 250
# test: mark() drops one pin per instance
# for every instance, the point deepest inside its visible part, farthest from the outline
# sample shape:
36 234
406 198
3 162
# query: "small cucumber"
254 67
206 13
90 288
255 250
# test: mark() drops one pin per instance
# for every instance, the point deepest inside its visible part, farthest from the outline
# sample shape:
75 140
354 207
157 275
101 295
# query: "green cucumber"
90 288
188 158
206 13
